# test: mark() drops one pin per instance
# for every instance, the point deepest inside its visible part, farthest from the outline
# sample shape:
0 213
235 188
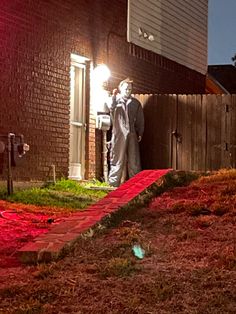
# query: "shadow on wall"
155 147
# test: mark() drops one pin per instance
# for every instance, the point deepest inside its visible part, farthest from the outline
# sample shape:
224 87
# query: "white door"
77 121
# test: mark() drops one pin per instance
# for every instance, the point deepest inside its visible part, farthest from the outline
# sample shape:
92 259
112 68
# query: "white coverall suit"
128 125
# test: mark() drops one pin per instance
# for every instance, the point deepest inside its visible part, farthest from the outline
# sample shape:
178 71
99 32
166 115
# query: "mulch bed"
189 265
20 224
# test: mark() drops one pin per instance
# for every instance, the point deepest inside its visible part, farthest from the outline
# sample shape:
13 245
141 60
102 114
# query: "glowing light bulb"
101 73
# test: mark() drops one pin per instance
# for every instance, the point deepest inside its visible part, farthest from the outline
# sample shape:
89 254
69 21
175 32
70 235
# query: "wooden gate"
189 132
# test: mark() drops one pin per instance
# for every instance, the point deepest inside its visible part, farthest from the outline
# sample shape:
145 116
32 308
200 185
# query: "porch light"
101 74
99 94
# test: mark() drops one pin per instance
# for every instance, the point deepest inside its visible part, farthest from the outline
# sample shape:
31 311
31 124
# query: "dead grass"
219 176
189 265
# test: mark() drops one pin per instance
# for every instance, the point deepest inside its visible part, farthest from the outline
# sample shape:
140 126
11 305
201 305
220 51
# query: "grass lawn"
188 235
28 213
65 195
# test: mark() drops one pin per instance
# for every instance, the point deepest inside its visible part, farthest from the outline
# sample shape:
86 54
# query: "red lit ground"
19 224
189 266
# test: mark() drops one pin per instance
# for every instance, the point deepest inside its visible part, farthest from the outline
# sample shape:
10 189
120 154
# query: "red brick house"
48 50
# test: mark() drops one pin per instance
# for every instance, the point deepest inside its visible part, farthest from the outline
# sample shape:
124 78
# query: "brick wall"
36 40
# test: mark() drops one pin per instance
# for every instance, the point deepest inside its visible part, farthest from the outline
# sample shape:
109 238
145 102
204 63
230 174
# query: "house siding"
179 29
36 42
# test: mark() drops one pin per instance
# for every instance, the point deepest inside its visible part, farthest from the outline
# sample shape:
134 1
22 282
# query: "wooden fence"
189 132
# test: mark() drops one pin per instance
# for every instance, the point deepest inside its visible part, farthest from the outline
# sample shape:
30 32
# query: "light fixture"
99 78
101 74
151 37
140 31
143 33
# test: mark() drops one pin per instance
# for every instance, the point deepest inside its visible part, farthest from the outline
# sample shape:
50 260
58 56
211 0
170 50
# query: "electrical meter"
103 122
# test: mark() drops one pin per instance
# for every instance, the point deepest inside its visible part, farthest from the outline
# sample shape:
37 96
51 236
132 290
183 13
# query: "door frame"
79 62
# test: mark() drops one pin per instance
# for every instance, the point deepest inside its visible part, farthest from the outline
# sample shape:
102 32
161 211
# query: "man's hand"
114 99
139 138
115 92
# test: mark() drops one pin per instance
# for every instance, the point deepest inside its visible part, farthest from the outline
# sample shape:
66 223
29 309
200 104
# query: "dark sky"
221 31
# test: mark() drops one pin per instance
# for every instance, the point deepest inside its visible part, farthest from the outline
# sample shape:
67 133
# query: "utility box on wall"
13 146
103 122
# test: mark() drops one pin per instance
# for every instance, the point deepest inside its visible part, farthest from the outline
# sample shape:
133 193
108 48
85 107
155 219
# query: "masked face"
126 90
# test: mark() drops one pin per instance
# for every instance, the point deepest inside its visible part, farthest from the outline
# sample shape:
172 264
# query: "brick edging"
61 238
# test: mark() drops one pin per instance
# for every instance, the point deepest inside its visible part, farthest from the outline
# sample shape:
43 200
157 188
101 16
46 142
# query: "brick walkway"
62 237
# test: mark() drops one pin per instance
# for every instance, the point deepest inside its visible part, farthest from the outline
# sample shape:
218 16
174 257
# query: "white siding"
179 29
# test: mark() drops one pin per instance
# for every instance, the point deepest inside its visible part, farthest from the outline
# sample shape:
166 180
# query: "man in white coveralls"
127 131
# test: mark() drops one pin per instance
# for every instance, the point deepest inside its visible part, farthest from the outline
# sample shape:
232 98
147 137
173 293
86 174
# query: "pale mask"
126 90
